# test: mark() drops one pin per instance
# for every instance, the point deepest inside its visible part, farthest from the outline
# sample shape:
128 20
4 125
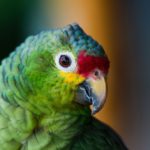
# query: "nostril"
97 74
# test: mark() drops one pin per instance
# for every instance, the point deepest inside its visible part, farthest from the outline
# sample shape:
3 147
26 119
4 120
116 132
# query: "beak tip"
95 110
87 94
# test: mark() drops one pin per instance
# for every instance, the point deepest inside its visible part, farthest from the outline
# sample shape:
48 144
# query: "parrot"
50 88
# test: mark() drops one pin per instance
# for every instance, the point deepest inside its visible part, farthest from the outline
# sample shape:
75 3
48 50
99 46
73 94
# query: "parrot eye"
65 61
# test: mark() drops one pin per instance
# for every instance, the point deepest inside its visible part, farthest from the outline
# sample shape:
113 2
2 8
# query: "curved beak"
92 92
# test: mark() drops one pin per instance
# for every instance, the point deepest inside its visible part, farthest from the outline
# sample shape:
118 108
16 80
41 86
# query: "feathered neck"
64 126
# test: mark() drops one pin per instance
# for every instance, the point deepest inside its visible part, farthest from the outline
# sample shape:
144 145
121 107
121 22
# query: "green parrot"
47 86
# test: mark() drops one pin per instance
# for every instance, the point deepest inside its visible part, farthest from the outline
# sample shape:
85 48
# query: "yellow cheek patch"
72 77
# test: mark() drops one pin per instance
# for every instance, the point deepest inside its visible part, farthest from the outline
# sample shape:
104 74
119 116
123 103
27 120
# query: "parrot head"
62 69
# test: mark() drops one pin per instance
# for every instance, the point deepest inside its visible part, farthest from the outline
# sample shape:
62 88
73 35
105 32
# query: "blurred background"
122 27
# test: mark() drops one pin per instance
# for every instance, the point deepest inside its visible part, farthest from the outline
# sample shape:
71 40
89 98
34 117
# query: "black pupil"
64 61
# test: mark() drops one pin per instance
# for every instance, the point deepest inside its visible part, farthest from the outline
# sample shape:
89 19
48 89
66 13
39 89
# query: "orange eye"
64 61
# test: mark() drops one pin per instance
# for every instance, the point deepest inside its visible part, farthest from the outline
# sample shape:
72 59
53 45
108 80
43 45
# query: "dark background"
12 19
123 27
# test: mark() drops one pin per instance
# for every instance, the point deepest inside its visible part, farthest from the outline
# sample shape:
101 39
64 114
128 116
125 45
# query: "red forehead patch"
87 63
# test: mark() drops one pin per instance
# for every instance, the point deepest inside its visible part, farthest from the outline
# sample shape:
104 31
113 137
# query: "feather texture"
37 107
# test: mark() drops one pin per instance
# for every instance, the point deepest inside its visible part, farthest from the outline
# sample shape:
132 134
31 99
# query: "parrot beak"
92 92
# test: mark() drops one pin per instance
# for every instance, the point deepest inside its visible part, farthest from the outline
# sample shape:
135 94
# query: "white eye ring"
71 67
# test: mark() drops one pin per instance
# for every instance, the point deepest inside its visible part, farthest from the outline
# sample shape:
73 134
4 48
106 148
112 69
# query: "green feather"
37 111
